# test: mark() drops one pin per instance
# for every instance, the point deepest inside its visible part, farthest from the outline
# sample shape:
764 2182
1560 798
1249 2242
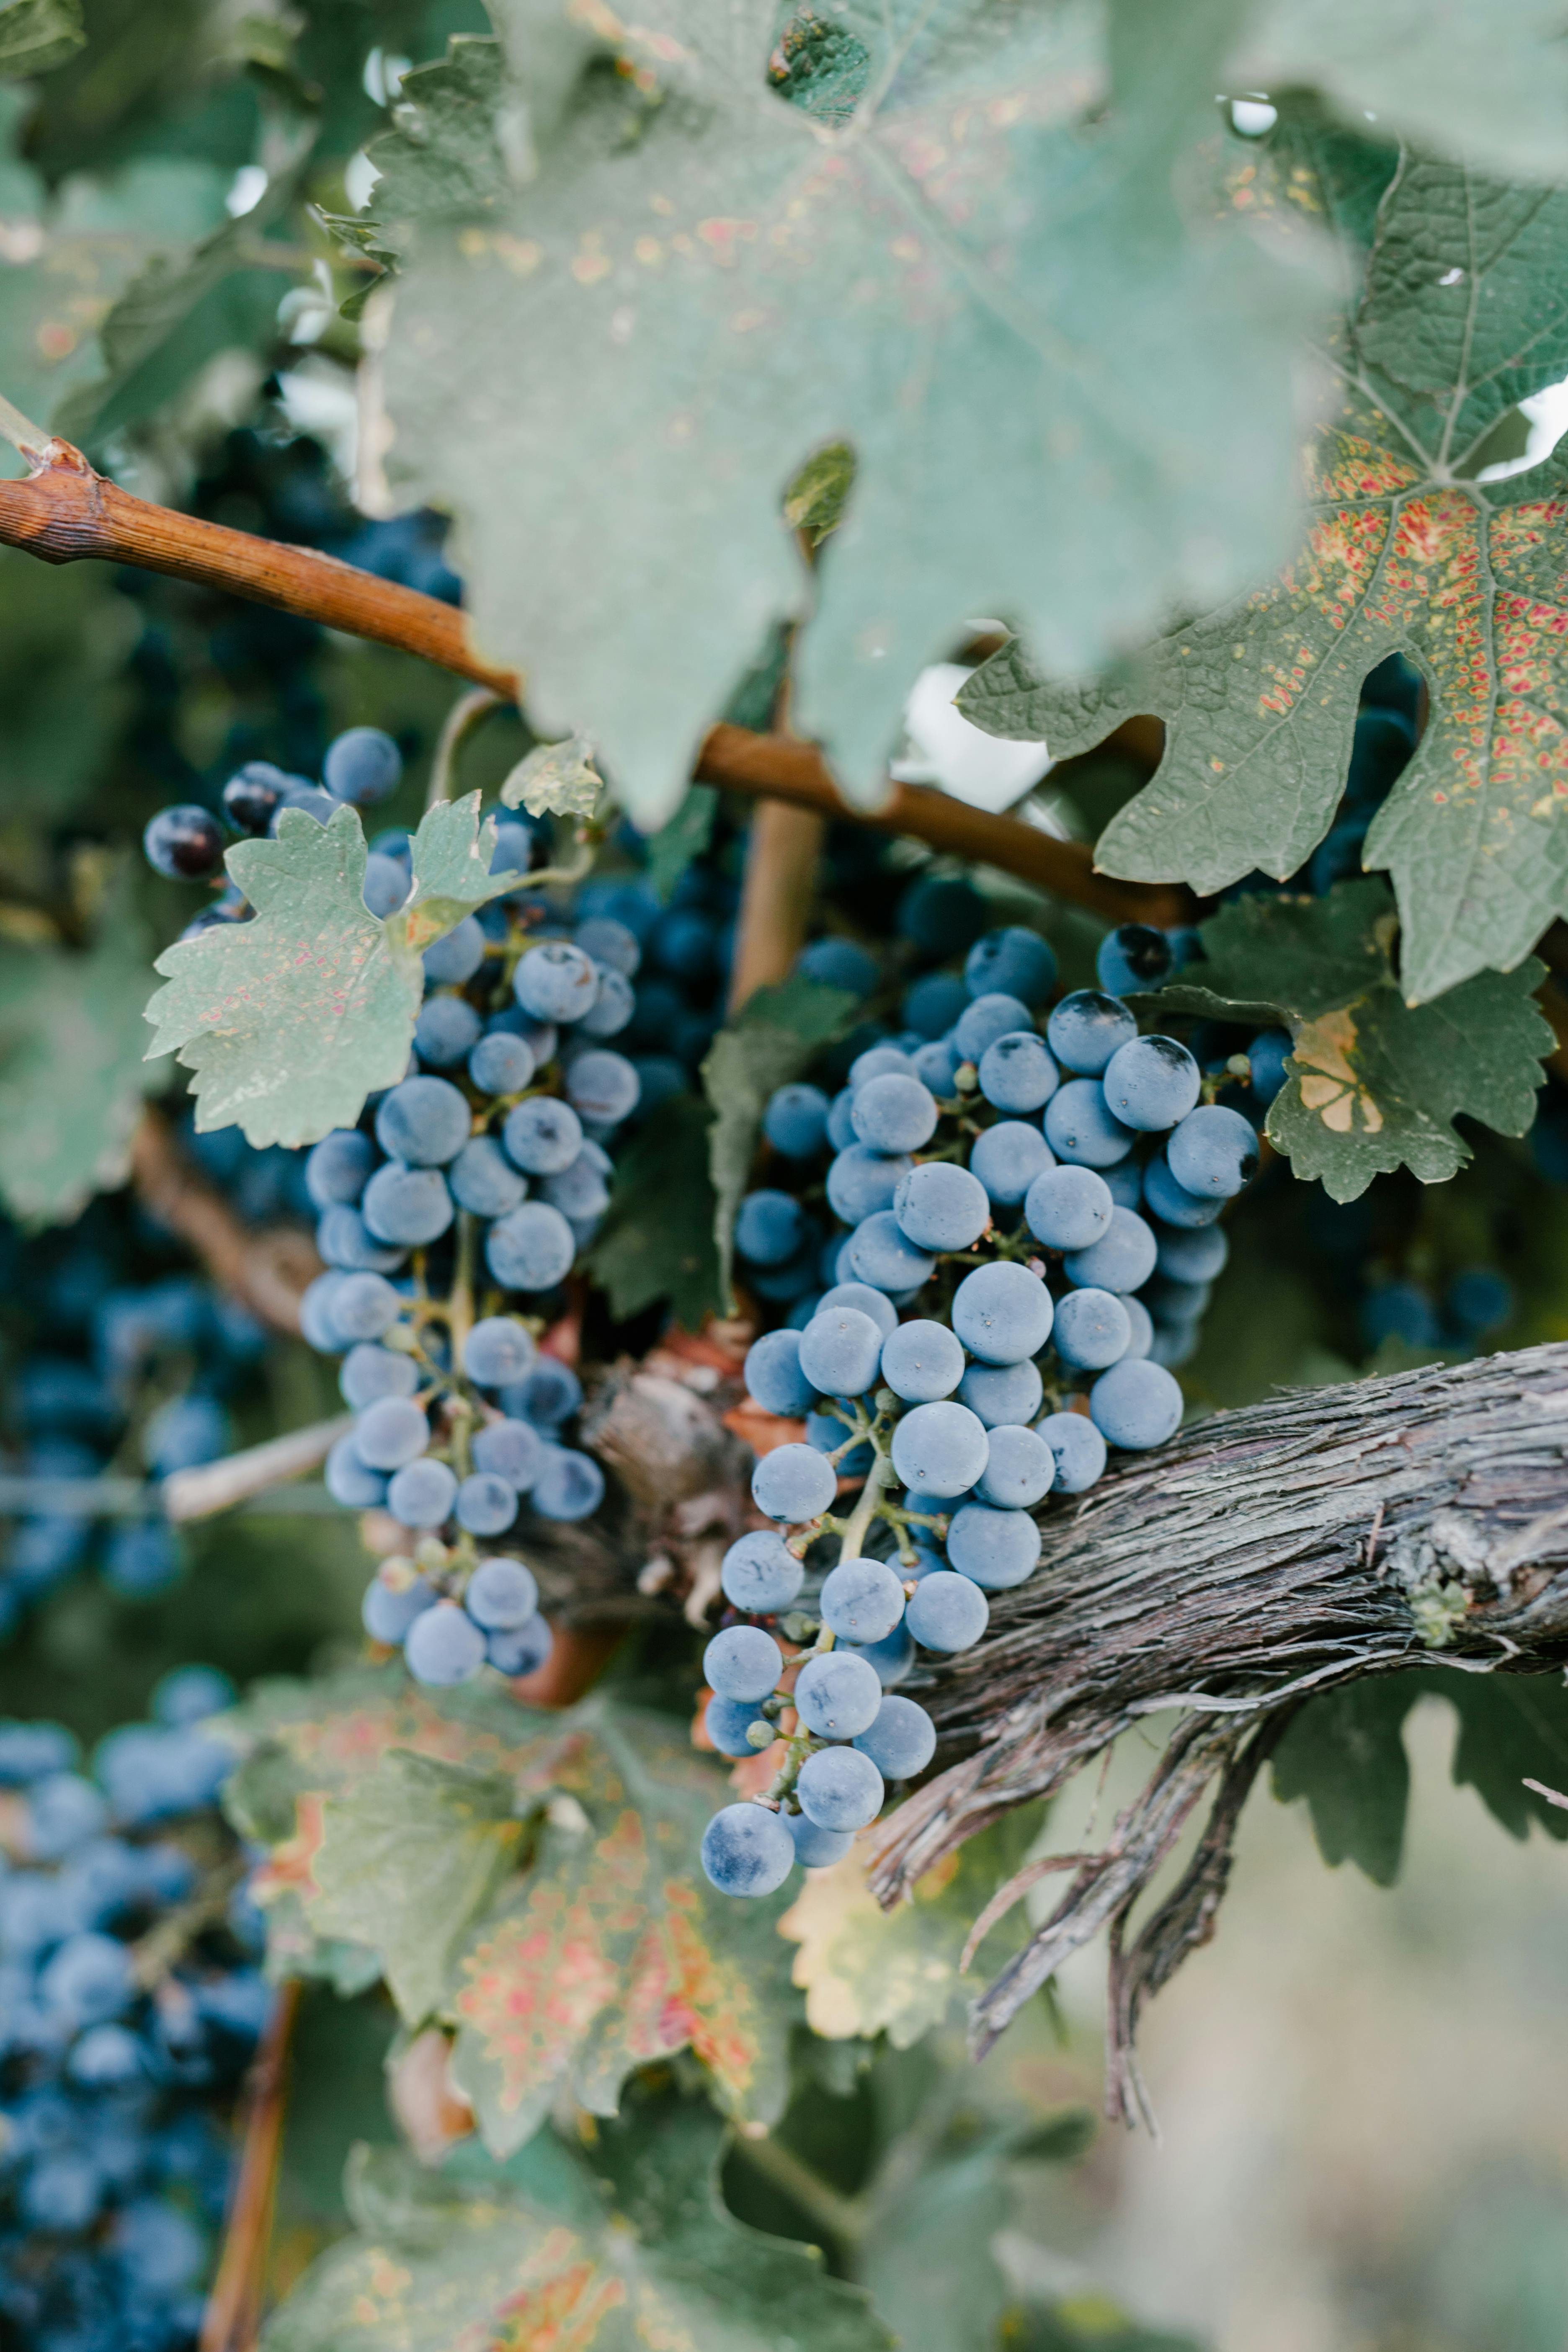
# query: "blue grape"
513 1450
1213 1152
1169 1201
1011 962
1081 1127
422 1495
364 765
836 1695
483 1179
838 963
827 1433
487 1503
1267 1055
609 942
351 1481
921 1362
940 1450
1016 1072
1134 957
446 1031
816 1848
1087 1028
940 1207
309 800
893 1113
1124 1182
391 1432
742 1662
1069 1208
727 1722
840 1119
612 1009
840 1789
1136 1405
747 1850
570 1486
184 843
892 1657
1121 1259
994 1549
1150 1083
344 1240
985 1019
542 1137
761 1574
501 1063
943 918
1141 1332
947 1612
555 981
999 1394
774 1375
423 1122
1194 1257
1019 1469
1178 1302
840 1351
1008 1159
603 1086
387 882
30 1751
795 1120
409 1206
879 1062
1002 1313
1173 1344
497 1351
770 1227
932 1004
444 1646
187 1430
338 1166
1092 1328
388 1611
549 1393
880 1253
936 1066
861 1181
63 1811
521 1649
253 795
364 1306
1478 1299
860 1296
902 1741
453 962
581 1190
862 1601
530 1249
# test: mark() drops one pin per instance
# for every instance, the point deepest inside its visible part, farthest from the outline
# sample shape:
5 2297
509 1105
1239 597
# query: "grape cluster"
1022 1219
131 2000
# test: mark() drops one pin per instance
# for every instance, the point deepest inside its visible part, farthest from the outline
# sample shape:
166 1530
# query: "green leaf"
1345 1754
37 34
705 281
1464 313
621 2243
460 138
671 849
408 1858
1512 1728
556 780
777 1033
290 1020
65 634
656 1239
815 501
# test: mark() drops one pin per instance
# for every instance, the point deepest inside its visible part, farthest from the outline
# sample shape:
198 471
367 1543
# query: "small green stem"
461 719
840 2217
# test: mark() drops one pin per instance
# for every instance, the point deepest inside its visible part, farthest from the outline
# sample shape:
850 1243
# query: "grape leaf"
708 278
671 849
556 779
37 34
1345 1754
1373 1082
1463 313
775 1036
623 2241
290 1020
1511 1728
657 1240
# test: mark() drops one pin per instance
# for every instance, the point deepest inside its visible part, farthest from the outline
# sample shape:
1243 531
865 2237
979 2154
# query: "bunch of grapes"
131 2000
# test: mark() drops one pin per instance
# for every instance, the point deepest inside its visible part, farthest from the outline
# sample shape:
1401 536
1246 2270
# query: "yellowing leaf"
556 780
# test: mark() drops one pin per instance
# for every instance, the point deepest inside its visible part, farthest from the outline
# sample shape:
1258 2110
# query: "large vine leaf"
621 2243
1464 313
290 1020
37 34
658 1237
931 234
1345 1754
1373 1083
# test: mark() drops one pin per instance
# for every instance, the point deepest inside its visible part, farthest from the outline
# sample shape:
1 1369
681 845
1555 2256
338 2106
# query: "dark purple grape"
250 798
184 843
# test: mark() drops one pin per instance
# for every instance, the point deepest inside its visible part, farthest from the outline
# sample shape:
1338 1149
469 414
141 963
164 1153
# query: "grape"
759 1574
947 1612
1079 1127
446 1032
747 1850
408 1206
609 942
774 1375
1141 1331
894 1654
1016 1072
612 1009
483 1181
840 1788
861 1181
523 1649
742 1662
921 1362
836 1695
902 1741
570 1486
344 1240
1267 1054
602 1086
860 1294
940 1450
549 1394
63 1809
1213 1152
1478 1300
943 918
816 1848
1150 1083
184 843
940 1206
1121 1259
88 1979
512 1450
423 1122
1002 1393
388 1611
728 1720
501 1063
796 1121
840 1352
542 1137
838 963
454 960
386 884
793 1484
986 1019
1008 1159
1019 1469
350 1481
1173 1344
363 766
879 1254
444 1646
1191 1256
497 1351
252 795
364 1306
893 1113
862 1601
487 1503
1011 962
1135 956
423 1494
1167 1200
840 1119
877 1062
936 1066
30 1751
530 1249
1087 1028
827 1433
1178 1302
770 1228
1002 1313
994 1549
309 800
555 981
337 1168
391 1432
932 1004
580 1192
1092 1328
1136 1405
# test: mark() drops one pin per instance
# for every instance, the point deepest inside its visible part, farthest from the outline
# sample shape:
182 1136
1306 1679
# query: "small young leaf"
556 780
37 34
657 1240
816 499
1345 1754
